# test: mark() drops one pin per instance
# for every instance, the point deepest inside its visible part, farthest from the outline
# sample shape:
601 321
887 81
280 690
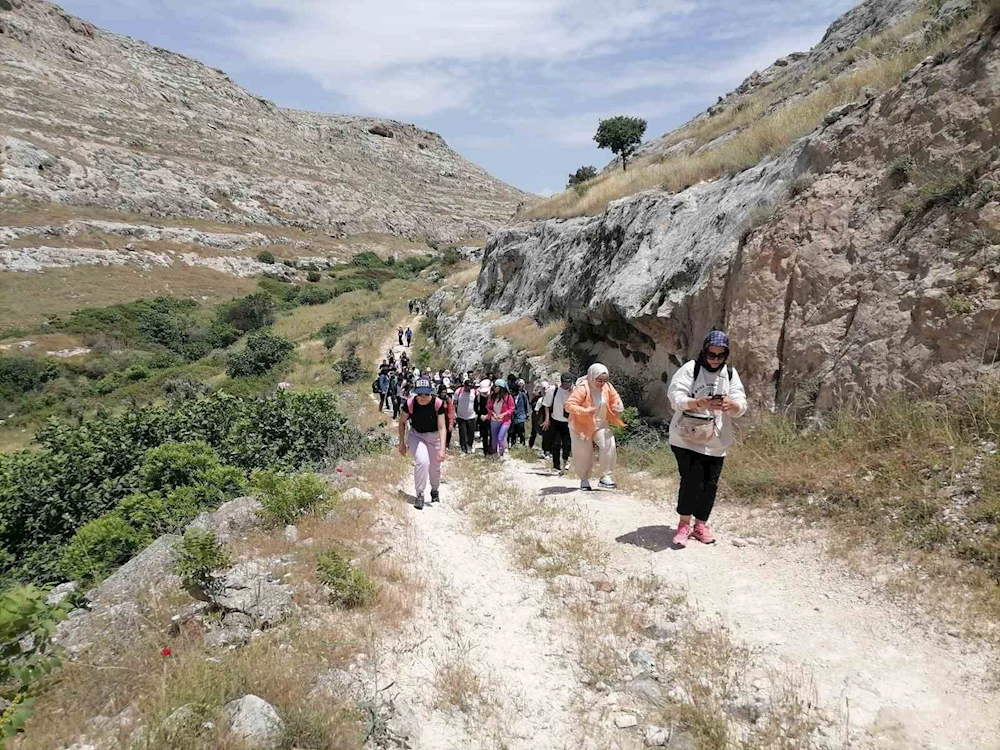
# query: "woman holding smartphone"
706 394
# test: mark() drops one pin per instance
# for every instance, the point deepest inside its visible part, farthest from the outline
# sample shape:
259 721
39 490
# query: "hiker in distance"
707 394
399 335
556 424
593 407
409 335
426 416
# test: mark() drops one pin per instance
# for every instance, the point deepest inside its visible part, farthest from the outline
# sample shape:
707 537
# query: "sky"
516 86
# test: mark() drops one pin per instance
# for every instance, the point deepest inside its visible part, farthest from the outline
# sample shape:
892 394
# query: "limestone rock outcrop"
865 257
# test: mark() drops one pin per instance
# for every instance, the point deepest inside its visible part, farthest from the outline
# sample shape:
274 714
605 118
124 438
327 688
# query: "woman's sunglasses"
718 357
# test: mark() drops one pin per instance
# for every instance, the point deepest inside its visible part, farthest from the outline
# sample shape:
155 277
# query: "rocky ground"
195 144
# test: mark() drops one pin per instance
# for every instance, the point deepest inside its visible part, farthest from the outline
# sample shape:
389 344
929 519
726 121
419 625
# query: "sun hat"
423 387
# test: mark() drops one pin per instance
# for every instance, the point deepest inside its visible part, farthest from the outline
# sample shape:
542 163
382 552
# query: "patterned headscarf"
714 338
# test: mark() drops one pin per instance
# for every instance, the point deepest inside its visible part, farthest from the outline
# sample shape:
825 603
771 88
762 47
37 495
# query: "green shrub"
176 465
164 321
450 257
367 259
285 497
100 546
27 653
81 472
354 283
349 586
249 313
350 368
265 256
313 276
221 334
152 514
196 556
263 351
21 375
330 333
315 295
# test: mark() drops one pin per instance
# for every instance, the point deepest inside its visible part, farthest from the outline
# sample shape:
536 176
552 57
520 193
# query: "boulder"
381 130
647 689
642 659
59 594
254 721
151 571
355 494
250 589
229 519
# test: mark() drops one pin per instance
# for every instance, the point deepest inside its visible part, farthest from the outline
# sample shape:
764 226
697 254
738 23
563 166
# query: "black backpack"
375 388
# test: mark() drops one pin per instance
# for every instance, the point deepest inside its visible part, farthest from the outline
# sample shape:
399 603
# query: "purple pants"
426 462
498 431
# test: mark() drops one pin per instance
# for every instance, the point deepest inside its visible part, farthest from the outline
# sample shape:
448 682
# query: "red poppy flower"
165 652
339 470
348 474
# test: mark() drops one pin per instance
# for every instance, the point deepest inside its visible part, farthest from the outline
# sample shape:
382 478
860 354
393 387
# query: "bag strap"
697 372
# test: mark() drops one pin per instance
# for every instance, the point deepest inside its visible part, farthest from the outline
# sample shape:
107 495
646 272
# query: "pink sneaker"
682 534
702 533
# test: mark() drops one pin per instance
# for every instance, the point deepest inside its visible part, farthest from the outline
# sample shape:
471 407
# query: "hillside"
857 259
92 118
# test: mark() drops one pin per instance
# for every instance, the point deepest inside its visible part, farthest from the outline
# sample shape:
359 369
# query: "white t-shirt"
465 403
555 399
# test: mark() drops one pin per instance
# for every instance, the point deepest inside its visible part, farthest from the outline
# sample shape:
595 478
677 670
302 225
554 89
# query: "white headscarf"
596 392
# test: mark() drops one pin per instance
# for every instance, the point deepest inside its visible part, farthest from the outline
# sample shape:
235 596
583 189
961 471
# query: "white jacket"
682 386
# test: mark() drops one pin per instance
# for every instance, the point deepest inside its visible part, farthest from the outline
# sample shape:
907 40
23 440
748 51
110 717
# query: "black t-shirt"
424 418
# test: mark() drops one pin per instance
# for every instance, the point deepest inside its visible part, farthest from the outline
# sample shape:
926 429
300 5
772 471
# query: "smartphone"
717 397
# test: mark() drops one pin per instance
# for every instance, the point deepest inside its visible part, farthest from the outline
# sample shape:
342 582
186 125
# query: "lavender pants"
498 431
426 462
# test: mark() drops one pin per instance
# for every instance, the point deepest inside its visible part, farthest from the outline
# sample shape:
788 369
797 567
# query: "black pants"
536 430
560 442
516 434
466 434
484 435
699 482
383 398
396 402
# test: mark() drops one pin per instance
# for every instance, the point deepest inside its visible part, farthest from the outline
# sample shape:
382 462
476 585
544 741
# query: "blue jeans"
498 431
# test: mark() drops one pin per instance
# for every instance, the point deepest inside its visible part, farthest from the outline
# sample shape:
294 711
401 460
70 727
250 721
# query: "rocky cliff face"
92 118
865 257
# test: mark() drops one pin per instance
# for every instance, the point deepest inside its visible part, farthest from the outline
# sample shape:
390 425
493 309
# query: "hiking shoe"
702 533
419 505
682 534
435 496
608 483
585 485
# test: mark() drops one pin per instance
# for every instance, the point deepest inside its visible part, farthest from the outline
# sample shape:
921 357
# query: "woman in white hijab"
593 407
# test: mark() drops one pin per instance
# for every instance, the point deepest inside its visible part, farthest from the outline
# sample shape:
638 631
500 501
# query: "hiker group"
570 417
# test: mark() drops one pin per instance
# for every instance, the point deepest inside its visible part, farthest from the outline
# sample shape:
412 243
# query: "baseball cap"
567 379
423 387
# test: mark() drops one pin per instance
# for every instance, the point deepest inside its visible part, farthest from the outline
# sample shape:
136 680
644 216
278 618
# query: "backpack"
697 371
375 388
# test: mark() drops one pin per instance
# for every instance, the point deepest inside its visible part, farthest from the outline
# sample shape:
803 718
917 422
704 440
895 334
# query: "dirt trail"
905 686
899 685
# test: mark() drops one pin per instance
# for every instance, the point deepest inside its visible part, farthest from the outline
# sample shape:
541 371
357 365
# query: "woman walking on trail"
427 418
593 407
706 395
465 410
394 394
501 414
556 424
446 396
538 412
399 335
522 409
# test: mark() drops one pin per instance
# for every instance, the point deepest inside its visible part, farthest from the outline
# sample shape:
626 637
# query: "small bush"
330 333
285 497
249 313
349 586
367 260
900 170
21 375
27 654
263 351
184 388
197 555
313 276
354 283
350 368
177 464
266 256
221 334
451 257
99 547
152 514
581 175
315 295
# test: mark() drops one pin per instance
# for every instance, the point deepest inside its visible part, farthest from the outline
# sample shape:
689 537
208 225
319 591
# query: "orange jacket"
581 411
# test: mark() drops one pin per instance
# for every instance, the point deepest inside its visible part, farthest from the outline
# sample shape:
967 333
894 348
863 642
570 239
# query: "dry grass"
29 299
528 337
759 133
459 686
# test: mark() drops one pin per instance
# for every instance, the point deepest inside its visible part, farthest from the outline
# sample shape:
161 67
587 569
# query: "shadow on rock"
547 491
653 538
